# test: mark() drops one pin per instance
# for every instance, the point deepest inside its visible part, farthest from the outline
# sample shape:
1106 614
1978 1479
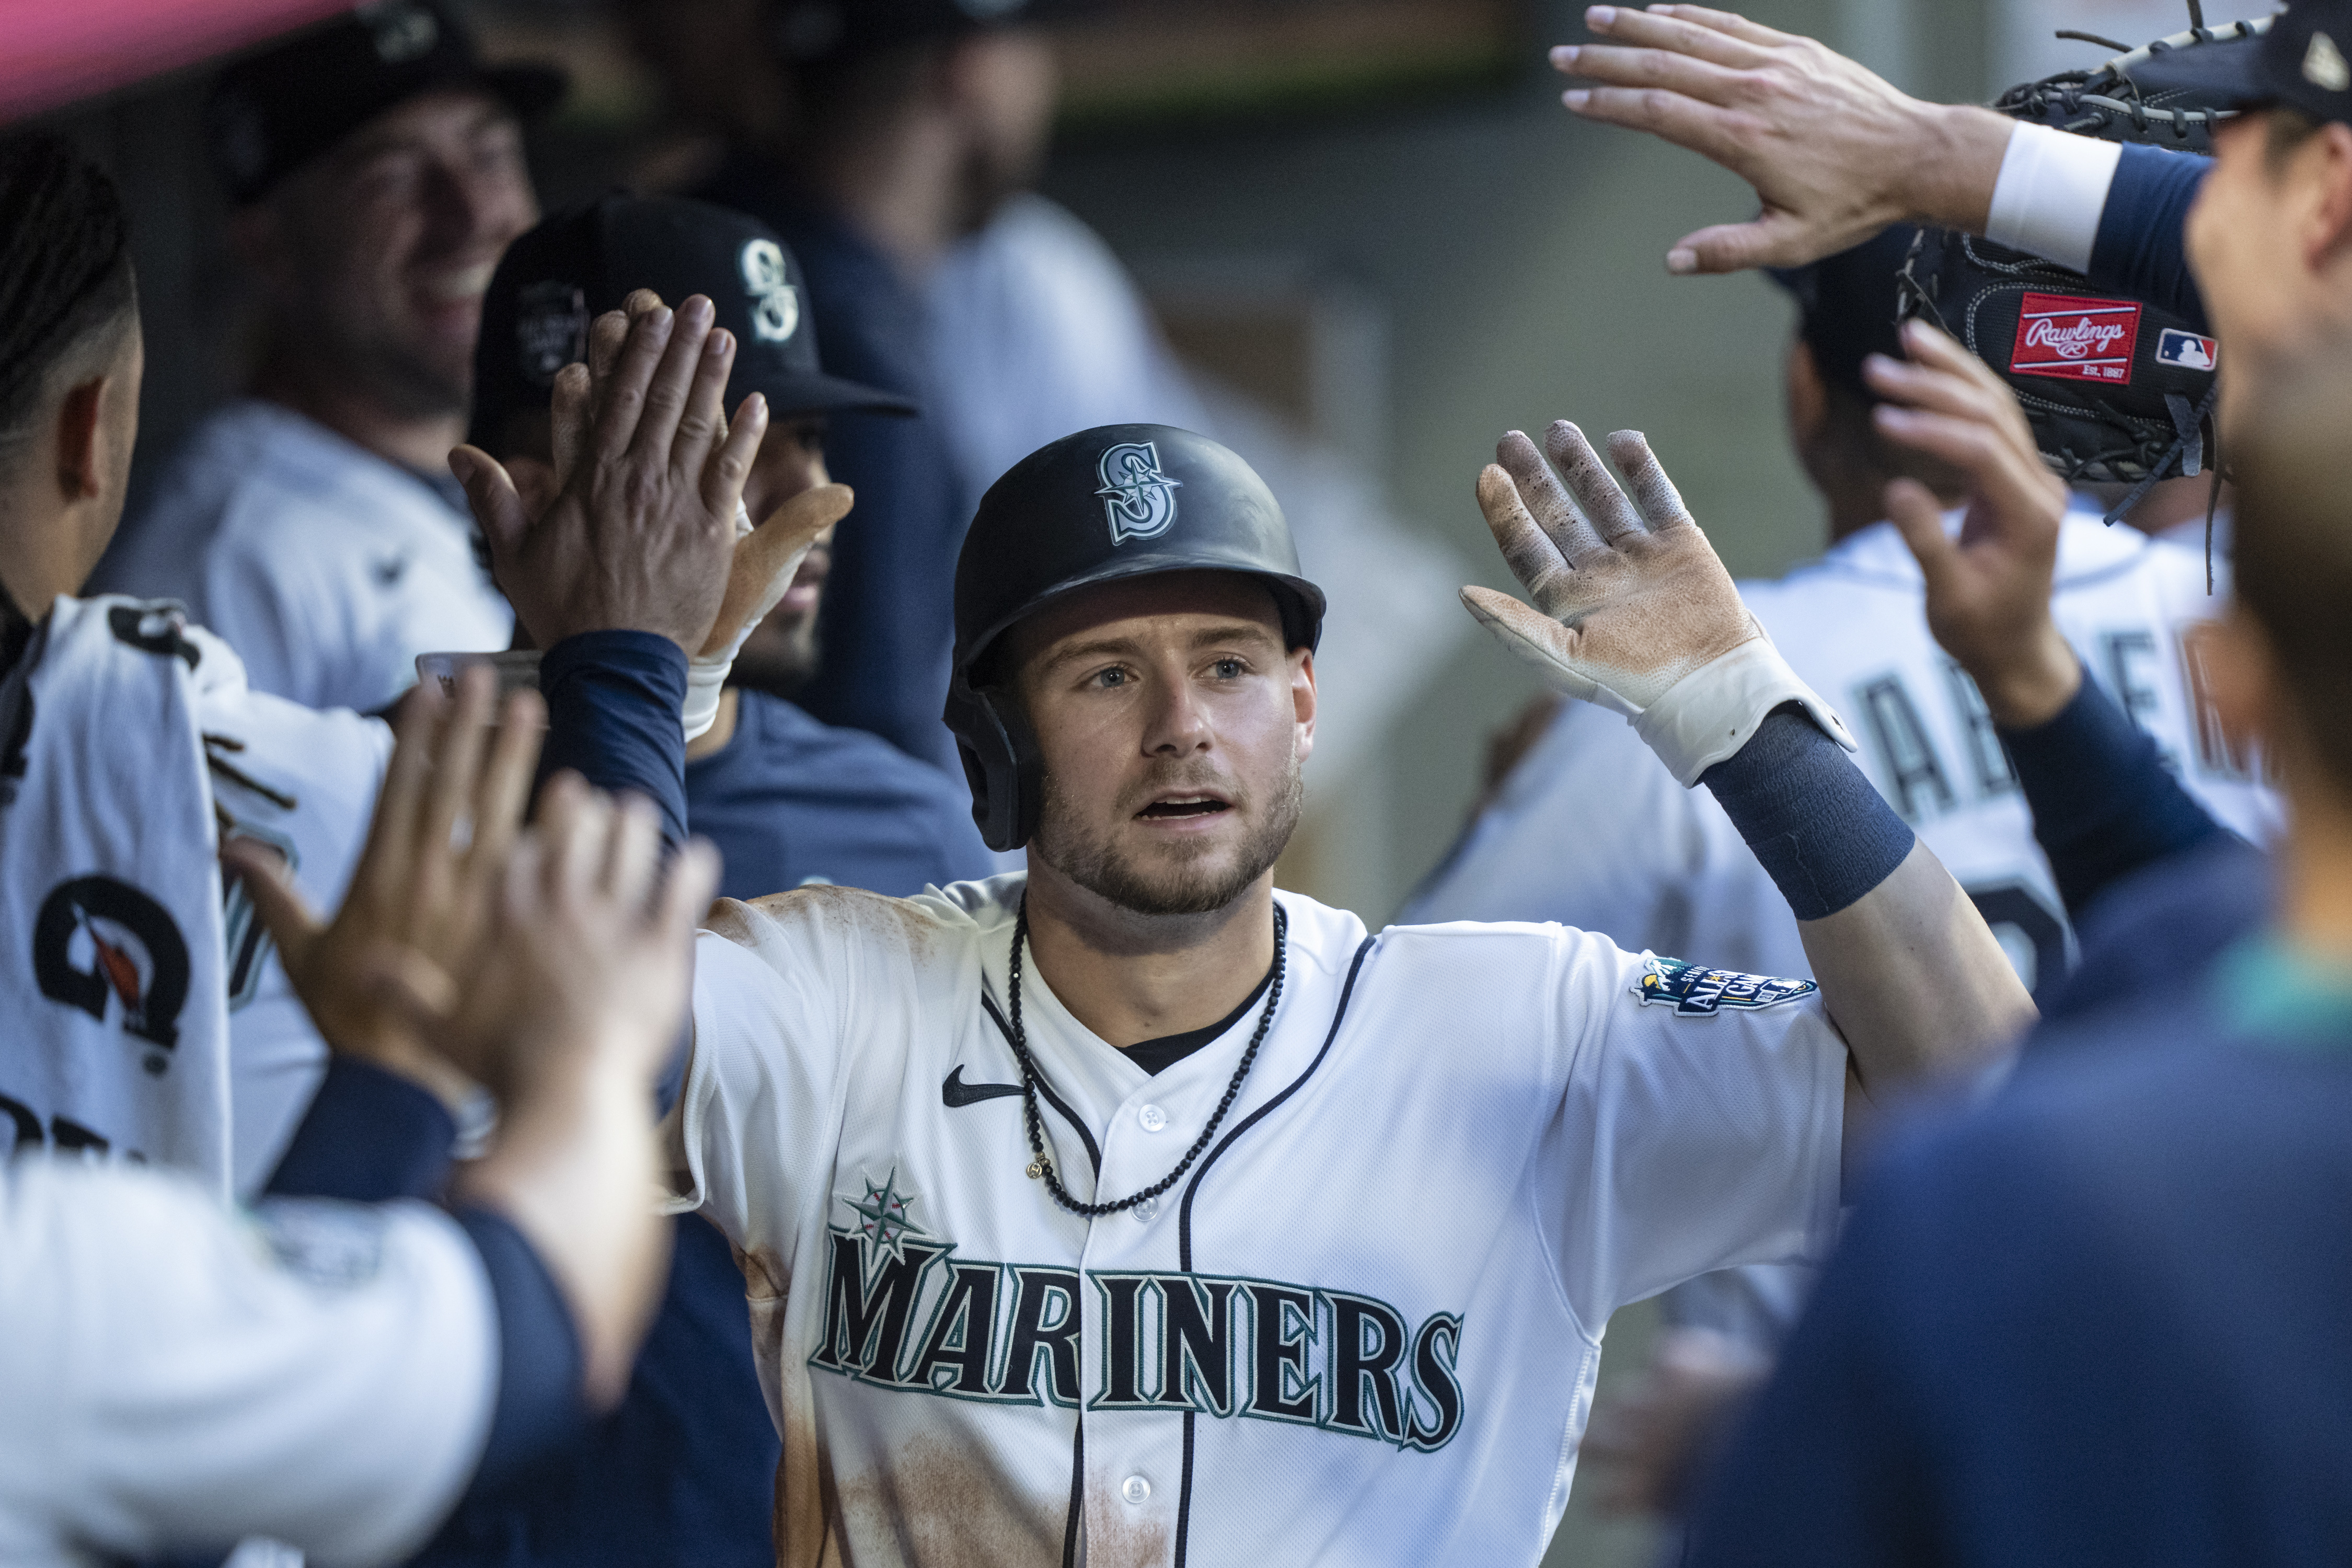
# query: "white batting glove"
1633 611
765 559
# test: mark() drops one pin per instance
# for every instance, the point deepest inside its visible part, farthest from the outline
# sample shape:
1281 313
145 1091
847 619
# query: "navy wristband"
614 701
540 1412
1823 834
369 1136
2104 803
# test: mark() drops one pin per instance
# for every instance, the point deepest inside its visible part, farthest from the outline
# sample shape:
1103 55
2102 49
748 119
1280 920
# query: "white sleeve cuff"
2051 189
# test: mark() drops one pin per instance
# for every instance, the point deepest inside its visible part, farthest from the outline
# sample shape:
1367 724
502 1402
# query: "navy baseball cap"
1849 305
586 260
2300 58
273 111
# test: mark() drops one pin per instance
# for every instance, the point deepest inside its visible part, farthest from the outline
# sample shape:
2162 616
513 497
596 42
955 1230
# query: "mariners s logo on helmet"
1138 500
775 303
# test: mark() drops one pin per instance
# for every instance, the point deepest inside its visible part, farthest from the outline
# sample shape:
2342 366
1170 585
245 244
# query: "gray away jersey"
1363 1329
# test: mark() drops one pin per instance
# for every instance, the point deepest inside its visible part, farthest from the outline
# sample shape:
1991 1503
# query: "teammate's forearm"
1907 968
613 704
574 1169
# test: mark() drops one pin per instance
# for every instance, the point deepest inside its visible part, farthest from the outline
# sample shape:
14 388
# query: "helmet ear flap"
1000 764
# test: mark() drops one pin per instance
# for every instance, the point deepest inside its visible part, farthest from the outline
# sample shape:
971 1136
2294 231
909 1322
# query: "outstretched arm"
1633 611
1836 154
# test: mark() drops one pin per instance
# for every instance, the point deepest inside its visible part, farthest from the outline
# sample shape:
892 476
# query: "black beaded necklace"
1041 1166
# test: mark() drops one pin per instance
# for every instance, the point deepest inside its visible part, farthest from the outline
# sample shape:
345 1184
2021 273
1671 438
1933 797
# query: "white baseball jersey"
326 567
179 1376
1590 831
150 1016
1362 1329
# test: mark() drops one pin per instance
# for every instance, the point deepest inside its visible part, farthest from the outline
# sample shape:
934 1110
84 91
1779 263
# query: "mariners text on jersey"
1364 1326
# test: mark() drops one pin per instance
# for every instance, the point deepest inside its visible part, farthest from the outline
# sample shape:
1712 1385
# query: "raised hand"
1629 596
1835 152
1633 611
408 938
640 534
1988 590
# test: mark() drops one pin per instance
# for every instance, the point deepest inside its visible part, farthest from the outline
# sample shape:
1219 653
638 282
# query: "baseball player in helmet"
1132 1211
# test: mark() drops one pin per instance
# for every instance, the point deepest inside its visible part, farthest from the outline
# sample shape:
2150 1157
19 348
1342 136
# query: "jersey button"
1135 1488
1152 1118
1145 1210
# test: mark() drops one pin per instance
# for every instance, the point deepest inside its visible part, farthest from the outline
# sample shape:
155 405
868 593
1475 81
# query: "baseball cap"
1848 305
586 259
2302 59
271 112
810 31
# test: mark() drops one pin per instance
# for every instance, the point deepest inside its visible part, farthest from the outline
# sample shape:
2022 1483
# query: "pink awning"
55 52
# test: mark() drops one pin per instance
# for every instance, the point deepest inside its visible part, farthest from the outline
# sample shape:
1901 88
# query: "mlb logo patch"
2075 339
2187 350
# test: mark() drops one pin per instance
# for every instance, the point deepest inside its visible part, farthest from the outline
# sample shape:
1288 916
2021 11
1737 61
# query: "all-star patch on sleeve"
1696 991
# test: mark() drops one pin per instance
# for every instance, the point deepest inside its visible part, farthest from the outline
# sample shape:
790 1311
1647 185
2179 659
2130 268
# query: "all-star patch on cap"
587 259
2304 61
273 111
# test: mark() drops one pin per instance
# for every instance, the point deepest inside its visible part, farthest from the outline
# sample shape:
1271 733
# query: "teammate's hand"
1629 596
587 958
1989 590
766 559
1647 1445
641 532
1834 153
408 938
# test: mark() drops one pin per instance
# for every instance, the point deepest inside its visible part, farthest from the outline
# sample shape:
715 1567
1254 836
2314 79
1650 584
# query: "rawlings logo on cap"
775 303
2075 339
1138 500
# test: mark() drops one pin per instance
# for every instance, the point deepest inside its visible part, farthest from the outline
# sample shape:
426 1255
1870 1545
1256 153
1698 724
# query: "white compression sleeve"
2051 189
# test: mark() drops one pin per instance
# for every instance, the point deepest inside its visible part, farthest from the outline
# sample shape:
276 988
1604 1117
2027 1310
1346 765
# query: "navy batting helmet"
1117 502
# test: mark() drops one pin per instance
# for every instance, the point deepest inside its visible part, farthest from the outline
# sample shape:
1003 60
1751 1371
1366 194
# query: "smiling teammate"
1129 1208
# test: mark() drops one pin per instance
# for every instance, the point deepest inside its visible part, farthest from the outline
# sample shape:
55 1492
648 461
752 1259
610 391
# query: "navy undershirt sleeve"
613 716
369 1136
2103 804
1822 833
2140 249
538 1412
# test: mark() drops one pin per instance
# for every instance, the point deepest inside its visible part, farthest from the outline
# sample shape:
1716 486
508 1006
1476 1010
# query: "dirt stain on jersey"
1118 1535
942 1505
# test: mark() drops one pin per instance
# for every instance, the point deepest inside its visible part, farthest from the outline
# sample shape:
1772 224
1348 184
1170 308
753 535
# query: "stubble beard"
1098 864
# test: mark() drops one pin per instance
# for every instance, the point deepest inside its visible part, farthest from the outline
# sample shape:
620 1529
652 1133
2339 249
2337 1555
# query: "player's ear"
81 463
1302 698
1807 397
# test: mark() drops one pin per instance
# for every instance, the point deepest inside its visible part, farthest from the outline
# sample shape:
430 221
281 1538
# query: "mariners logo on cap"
550 328
775 303
1138 500
2323 65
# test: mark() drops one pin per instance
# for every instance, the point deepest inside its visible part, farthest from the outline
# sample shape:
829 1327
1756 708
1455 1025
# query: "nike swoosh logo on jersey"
955 1092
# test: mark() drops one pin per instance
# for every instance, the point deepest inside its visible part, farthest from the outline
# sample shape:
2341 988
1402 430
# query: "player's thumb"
490 492
284 913
1531 636
1773 239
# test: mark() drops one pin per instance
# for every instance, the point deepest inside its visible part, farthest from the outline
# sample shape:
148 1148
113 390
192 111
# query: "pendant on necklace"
1036 1169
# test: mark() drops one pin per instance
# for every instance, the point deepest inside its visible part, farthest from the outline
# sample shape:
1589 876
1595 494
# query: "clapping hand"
1989 589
